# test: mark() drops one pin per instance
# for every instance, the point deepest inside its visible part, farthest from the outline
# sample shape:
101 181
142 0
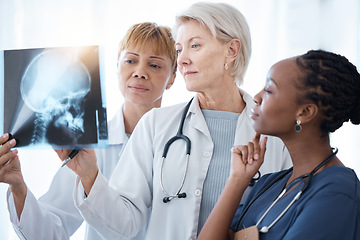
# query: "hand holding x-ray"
10 170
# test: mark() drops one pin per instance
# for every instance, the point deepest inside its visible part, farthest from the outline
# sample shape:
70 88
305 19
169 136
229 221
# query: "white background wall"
280 29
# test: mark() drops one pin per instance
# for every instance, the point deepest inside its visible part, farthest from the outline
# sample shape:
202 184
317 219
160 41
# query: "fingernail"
12 142
251 160
256 156
4 135
15 151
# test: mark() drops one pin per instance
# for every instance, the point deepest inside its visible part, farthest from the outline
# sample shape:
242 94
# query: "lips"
254 114
189 73
138 88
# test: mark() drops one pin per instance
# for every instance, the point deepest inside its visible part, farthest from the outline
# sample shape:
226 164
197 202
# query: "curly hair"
333 84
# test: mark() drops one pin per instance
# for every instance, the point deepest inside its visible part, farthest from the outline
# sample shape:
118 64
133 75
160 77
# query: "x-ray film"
53 97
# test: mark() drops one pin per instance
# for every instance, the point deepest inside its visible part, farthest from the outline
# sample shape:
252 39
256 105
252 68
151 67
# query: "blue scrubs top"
328 209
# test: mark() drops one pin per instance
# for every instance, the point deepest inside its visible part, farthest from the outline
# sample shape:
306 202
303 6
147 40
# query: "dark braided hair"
333 83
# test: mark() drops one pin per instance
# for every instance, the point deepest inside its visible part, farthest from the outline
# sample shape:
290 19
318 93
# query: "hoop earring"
226 66
298 127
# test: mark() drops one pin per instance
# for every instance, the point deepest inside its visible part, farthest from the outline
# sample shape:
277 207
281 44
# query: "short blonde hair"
142 34
225 23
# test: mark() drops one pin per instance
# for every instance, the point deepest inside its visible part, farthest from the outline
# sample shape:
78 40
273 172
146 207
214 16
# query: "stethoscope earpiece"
181 195
166 199
169 198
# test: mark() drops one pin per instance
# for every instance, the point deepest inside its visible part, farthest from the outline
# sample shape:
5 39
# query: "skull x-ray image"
53 96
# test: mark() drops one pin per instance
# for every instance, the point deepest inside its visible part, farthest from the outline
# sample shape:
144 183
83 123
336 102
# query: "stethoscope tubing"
179 135
182 182
261 193
309 176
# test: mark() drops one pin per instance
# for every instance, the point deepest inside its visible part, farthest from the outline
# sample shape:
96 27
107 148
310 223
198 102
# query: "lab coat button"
198 192
207 154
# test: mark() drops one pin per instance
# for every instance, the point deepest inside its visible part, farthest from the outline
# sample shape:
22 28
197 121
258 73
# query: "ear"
171 81
307 112
234 47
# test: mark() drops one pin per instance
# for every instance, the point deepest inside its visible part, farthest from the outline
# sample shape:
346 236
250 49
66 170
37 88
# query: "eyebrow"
156 57
192 38
135 54
269 79
132 53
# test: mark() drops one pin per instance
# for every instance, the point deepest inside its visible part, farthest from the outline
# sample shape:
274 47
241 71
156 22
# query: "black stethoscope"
307 182
179 135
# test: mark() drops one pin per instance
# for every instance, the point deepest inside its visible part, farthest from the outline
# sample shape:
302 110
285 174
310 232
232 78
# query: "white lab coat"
119 211
54 215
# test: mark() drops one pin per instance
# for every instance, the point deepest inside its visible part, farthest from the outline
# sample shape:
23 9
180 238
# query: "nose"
140 72
183 58
140 75
258 98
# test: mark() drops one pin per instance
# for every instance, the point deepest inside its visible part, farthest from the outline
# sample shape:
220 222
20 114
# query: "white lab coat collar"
249 101
198 121
116 129
244 120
